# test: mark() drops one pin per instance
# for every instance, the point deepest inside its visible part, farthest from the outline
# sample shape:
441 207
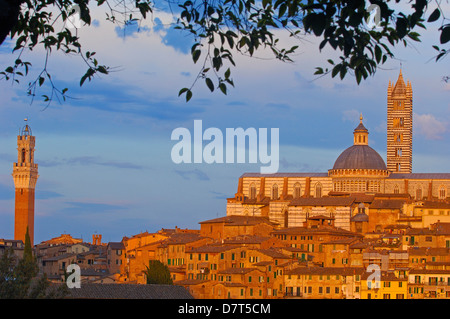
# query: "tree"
158 274
223 27
19 277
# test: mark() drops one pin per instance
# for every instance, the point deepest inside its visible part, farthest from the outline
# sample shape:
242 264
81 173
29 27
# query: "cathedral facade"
360 191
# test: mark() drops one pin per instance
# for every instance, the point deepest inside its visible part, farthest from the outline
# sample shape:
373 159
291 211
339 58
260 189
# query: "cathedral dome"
360 157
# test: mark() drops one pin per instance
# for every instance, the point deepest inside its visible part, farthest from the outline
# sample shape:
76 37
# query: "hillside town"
363 230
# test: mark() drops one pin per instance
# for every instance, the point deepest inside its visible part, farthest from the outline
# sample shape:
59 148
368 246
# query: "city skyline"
104 156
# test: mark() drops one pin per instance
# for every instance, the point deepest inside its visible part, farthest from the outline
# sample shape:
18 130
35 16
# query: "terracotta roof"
343 271
273 253
385 276
434 204
429 271
246 239
428 251
360 217
285 175
190 282
323 201
323 229
237 220
387 204
419 176
116 245
209 249
128 291
241 271
183 238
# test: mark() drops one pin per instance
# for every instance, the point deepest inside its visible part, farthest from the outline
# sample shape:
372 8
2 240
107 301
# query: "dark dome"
359 157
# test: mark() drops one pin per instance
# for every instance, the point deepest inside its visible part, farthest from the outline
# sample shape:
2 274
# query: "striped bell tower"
25 175
399 126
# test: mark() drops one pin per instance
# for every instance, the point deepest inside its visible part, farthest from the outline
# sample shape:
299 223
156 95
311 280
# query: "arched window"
318 190
252 191
23 155
396 189
297 190
275 191
442 192
419 193
286 218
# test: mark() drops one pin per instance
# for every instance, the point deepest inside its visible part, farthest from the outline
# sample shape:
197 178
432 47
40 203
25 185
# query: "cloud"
429 126
130 29
88 160
90 208
123 98
40 194
196 173
175 38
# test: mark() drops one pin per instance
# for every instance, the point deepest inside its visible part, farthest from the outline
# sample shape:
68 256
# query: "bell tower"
399 126
25 175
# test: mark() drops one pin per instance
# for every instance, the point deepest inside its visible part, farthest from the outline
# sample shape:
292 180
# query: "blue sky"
104 155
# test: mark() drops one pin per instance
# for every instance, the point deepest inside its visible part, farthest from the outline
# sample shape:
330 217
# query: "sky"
104 154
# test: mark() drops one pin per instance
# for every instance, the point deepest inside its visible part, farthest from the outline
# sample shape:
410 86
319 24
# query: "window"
396 189
297 190
442 192
398 137
252 191
318 190
419 193
275 191
398 105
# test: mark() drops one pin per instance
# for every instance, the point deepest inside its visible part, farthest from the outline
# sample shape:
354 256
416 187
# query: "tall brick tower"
399 126
25 174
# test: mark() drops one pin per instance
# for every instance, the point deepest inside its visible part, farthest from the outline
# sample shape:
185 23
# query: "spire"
360 134
400 86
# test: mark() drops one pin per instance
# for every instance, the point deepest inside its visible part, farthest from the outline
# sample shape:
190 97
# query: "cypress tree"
158 273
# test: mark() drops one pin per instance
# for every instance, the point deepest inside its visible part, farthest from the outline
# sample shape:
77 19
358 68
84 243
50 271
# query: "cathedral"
361 192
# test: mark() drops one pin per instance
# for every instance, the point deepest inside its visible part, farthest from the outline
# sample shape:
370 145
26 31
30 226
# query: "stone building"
389 193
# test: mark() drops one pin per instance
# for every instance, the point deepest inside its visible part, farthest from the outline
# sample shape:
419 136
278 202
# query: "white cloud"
429 126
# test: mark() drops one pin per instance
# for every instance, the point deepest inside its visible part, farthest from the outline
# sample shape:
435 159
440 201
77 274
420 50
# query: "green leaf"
183 90
196 55
401 27
188 95
378 53
210 84
445 34
223 88
435 15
